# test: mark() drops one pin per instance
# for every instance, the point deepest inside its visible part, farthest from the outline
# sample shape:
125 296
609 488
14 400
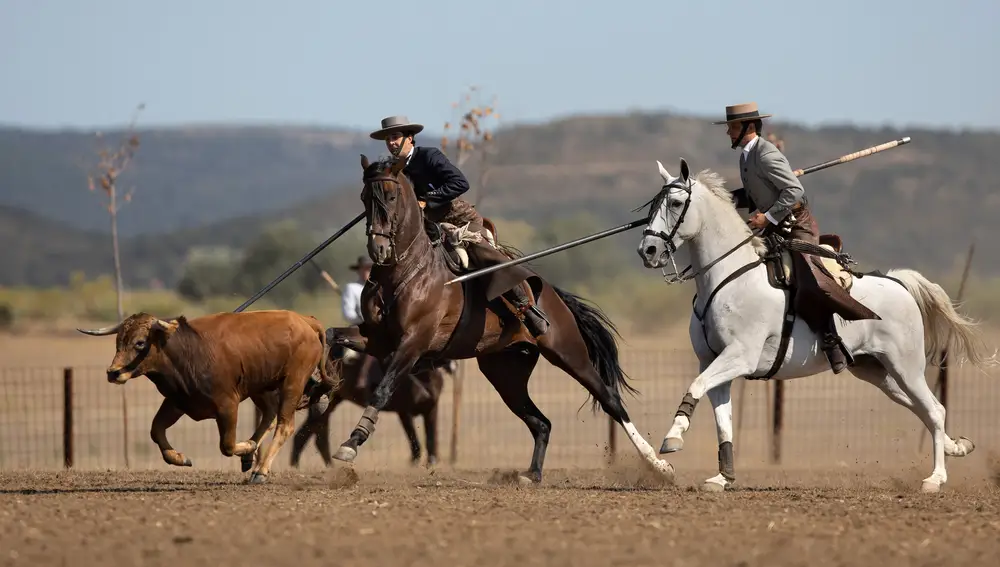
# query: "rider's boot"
835 349
534 318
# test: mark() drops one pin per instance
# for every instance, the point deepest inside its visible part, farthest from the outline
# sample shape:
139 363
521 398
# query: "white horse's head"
673 217
680 211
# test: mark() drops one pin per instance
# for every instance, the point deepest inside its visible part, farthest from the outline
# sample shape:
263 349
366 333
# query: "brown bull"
204 368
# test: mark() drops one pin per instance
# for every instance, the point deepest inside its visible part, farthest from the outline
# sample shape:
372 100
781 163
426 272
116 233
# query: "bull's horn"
101 332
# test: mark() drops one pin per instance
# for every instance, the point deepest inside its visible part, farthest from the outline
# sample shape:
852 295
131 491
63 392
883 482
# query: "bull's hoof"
432 460
187 462
671 445
346 454
246 462
257 478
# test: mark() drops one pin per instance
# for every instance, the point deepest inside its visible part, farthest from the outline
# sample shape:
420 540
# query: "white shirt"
746 156
350 303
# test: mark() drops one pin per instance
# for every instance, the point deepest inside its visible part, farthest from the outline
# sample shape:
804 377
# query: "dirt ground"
464 518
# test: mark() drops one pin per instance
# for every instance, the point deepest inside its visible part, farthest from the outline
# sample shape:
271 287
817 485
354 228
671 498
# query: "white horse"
743 323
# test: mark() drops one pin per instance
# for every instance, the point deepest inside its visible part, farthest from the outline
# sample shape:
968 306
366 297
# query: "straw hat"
399 124
742 113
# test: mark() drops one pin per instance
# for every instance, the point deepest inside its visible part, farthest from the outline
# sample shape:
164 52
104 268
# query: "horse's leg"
317 423
731 363
509 373
564 347
323 431
406 419
166 416
413 344
722 405
902 379
430 433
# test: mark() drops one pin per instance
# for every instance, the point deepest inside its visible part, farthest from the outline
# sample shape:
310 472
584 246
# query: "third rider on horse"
439 185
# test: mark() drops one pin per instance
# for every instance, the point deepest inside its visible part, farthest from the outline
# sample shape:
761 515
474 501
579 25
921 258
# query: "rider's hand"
757 221
422 204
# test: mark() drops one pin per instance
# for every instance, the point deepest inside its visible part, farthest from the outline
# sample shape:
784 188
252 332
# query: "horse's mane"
716 186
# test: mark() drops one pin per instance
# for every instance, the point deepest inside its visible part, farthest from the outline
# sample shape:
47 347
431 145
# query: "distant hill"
184 178
918 206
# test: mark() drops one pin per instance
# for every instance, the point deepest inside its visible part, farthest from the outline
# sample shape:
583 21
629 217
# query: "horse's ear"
663 172
398 165
685 172
364 162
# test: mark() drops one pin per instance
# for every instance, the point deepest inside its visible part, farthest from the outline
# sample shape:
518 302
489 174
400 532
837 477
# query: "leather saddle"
451 241
781 275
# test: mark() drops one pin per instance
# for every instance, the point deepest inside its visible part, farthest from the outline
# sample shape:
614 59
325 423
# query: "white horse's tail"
942 322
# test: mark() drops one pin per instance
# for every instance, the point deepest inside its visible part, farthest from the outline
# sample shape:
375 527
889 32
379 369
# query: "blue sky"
85 64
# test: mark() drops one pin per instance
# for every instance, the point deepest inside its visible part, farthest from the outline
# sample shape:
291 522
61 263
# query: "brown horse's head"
391 209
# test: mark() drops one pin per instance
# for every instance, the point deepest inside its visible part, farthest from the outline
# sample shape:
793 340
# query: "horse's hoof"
665 469
246 462
346 454
710 486
929 487
525 481
967 444
671 445
187 462
258 478
432 461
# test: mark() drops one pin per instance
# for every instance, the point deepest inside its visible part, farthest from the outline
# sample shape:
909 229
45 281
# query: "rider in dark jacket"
439 186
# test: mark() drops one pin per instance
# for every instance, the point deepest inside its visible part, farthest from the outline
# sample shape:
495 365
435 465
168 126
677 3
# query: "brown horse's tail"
599 335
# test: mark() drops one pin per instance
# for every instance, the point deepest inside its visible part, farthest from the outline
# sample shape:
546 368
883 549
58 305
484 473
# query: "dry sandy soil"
421 518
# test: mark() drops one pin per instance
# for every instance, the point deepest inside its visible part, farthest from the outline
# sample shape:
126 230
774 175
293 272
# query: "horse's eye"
676 204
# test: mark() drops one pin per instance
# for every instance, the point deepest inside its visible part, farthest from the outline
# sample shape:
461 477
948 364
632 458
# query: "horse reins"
378 183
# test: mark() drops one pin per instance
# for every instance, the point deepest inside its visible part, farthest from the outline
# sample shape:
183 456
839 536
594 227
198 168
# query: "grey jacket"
768 181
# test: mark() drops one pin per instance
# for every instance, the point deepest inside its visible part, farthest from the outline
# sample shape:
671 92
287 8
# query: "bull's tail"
331 384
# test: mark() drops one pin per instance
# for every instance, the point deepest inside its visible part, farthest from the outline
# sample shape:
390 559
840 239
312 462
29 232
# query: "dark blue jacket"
435 179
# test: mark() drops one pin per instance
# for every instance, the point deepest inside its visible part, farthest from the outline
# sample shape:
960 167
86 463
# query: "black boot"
534 318
835 350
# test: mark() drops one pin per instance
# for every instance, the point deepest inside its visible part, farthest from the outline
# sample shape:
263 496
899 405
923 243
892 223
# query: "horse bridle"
668 239
378 183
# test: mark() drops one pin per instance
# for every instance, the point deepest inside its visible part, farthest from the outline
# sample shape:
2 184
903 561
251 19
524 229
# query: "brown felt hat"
363 262
399 124
742 113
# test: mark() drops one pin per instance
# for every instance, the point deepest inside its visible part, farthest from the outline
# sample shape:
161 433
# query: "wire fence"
53 417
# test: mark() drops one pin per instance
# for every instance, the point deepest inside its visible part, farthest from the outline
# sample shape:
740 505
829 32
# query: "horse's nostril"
650 251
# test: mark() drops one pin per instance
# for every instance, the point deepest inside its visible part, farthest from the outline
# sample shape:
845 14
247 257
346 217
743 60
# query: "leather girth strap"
788 322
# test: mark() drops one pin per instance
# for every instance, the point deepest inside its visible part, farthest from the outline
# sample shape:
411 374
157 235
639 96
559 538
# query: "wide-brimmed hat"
399 124
742 113
363 262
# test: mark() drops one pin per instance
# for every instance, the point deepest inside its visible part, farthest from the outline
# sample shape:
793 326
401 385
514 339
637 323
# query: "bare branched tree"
474 130
111 164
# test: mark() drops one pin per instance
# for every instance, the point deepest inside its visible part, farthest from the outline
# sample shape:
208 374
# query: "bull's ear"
167 327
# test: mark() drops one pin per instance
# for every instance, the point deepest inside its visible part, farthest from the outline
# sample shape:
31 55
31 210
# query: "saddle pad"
840 275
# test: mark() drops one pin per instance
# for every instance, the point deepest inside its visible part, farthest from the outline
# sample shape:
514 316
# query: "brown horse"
404 403
411 315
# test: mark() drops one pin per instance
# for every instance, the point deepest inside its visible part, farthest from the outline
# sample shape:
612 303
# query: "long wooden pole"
642 222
